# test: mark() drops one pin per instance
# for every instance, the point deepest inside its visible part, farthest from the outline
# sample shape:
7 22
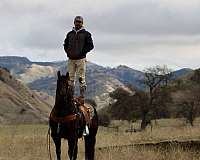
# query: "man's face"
78 24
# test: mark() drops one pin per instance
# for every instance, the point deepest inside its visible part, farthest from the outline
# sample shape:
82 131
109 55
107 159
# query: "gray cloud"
149 18
141 28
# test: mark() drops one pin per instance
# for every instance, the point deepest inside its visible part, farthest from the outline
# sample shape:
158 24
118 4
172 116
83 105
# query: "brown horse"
68 121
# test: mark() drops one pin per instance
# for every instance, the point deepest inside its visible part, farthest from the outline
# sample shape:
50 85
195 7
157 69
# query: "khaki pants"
77 67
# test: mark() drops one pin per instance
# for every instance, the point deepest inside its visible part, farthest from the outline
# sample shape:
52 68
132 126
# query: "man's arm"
66 43
88 43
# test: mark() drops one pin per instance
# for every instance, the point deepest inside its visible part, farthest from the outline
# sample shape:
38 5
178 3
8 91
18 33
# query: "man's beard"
77 27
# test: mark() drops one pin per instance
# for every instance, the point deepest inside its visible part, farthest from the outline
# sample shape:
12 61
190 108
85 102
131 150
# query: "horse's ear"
58 74
67 75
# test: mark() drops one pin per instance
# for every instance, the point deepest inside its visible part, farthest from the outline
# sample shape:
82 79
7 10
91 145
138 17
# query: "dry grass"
28 142
143 153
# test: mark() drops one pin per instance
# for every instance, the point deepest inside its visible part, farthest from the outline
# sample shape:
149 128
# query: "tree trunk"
144 120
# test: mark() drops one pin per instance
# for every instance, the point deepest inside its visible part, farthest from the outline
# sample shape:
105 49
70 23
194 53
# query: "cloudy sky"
135 33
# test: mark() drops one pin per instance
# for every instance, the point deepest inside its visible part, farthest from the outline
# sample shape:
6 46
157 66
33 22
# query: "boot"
82 94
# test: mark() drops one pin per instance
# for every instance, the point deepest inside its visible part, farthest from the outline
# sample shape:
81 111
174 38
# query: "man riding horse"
77 44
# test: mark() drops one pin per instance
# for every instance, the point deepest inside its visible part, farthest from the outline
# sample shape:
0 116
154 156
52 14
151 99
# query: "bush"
104 119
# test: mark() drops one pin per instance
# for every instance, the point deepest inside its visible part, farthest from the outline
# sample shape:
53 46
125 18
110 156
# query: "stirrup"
86 131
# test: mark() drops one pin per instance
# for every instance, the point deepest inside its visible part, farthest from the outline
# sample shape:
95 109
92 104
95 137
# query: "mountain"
15 65
19 104
182 72
128 75
41 76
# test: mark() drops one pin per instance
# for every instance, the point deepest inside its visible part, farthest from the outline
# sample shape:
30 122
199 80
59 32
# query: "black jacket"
78 43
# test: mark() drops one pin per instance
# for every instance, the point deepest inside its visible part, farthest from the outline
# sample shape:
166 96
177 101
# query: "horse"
67 120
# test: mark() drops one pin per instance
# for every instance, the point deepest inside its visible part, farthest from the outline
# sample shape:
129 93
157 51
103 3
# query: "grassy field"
29 142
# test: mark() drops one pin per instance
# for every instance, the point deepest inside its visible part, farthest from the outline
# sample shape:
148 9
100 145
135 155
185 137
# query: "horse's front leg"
56 137
57 142
72 148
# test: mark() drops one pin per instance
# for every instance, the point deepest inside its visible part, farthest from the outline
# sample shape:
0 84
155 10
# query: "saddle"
86 109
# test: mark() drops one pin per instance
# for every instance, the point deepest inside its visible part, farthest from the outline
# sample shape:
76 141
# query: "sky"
138 34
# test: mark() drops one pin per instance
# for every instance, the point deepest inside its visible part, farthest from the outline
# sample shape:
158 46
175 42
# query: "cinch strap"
63 119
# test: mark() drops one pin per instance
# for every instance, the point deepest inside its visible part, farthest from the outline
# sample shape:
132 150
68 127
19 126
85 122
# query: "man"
77 44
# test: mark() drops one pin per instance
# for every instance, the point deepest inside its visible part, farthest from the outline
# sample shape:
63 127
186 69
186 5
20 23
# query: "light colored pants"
77 67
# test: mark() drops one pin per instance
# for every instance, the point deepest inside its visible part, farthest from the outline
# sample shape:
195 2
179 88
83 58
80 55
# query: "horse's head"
64 94
63 87
62 84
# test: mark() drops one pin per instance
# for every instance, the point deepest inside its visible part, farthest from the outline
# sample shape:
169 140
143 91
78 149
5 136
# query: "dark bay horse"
68 122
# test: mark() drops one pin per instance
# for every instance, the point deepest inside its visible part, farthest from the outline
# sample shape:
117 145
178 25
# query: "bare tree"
154 78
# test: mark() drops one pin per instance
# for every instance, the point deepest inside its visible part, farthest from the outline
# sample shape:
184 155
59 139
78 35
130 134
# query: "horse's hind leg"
72 148
90 141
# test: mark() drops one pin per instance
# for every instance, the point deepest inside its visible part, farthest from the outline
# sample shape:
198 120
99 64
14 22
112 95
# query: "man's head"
78 22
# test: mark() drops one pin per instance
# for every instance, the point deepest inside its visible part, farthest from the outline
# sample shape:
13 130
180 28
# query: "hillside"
18 104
